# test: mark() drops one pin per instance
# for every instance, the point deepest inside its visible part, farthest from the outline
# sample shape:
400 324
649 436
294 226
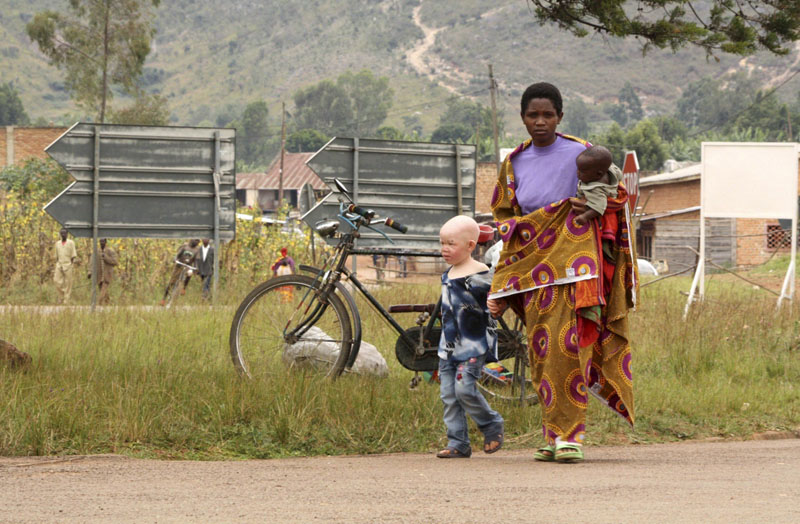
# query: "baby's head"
593 163
458 238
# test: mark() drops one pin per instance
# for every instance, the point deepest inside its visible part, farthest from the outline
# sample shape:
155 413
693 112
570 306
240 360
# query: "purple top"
544 175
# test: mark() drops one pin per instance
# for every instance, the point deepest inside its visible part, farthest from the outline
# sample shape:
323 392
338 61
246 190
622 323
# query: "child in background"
595 182
468 334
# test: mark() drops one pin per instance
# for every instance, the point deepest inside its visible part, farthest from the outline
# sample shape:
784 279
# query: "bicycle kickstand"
416 381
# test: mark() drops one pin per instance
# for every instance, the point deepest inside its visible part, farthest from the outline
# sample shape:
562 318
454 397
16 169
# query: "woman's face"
541 120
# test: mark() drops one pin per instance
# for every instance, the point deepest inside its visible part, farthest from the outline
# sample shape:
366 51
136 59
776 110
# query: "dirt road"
753 481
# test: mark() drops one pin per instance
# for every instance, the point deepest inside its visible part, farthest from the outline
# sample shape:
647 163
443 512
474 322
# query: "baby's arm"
586 216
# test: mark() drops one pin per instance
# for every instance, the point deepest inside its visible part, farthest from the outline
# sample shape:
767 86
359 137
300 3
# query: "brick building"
670 203
485 179
20 143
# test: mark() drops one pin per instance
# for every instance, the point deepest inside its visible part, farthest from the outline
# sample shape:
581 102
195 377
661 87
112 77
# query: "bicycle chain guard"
407 355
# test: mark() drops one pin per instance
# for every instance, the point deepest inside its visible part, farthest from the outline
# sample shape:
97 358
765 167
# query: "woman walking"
571 284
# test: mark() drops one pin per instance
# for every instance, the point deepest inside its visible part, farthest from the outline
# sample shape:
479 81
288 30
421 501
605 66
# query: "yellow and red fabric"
574 297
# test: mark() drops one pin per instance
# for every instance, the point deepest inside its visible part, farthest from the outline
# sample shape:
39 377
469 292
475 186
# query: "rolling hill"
211 58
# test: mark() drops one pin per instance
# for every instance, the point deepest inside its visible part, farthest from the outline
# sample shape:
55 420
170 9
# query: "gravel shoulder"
746 481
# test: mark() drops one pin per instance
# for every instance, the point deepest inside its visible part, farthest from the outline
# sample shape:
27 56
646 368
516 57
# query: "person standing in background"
105 271
205 265
66 259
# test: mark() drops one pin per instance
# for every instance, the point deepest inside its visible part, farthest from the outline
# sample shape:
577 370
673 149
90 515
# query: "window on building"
644 239
777 237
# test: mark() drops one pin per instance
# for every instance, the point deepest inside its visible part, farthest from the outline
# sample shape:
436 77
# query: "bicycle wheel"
510 377
173 293
282 324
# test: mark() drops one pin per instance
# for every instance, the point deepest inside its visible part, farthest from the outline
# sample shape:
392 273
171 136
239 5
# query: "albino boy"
468 334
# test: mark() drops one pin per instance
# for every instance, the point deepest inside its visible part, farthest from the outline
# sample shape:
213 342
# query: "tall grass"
160 383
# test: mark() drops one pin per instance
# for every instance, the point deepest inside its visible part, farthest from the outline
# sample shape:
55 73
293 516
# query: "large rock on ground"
13 357
324 354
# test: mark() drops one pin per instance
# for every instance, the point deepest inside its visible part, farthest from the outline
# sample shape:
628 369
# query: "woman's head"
543 90
542 112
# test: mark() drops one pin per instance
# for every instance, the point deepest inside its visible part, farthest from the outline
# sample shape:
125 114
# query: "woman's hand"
497 306
578 205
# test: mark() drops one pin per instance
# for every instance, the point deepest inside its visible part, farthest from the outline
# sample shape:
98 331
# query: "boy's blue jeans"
460 396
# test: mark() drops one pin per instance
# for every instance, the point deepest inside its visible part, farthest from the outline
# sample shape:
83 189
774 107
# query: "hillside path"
750 481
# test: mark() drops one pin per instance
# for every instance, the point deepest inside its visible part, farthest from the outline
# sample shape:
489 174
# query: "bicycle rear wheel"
510 378
283 324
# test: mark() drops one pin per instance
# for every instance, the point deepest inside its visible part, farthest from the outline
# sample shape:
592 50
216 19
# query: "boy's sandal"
545 454
568 452
452 453
493 444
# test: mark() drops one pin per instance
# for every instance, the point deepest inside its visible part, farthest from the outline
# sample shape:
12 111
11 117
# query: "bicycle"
186 271
313 321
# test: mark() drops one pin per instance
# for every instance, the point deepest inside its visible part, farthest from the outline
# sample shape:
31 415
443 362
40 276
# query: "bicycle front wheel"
284 324
175 291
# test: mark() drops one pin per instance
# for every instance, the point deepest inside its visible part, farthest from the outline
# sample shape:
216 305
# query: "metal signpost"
419 184
306 202
146 182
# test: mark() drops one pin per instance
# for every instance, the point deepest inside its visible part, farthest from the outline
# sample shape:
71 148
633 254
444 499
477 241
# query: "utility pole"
492 88
283 150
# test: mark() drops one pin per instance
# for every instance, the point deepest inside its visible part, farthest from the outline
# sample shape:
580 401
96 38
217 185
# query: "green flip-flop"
568 452
545 454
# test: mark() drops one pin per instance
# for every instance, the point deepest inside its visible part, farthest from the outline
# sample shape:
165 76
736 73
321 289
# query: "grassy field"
159 383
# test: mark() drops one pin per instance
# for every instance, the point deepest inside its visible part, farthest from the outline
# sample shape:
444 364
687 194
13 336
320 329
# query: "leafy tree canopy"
99 44
253 134
12 112
35 177
305 141
470 115
145 110
453 133
739 27
356 104
576 121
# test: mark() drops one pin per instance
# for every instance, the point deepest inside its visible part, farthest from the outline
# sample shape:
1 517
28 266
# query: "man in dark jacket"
205 265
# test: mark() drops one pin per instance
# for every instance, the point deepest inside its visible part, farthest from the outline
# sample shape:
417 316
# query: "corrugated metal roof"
665 214
295 174
685 174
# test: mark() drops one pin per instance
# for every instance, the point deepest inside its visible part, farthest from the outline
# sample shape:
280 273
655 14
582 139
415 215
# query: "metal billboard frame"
420 184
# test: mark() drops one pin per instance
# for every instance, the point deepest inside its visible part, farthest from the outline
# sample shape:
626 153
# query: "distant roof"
684 174
665 214
295 174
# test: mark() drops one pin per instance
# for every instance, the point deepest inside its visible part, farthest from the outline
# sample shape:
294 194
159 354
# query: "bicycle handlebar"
397 226
366 213
185 265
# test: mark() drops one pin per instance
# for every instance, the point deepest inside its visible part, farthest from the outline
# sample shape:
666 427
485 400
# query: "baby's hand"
581 220
497 306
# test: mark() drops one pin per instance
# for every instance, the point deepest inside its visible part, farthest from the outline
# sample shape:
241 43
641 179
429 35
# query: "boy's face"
456 248
589 171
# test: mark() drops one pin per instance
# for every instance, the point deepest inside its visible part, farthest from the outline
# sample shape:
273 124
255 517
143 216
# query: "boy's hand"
496 306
